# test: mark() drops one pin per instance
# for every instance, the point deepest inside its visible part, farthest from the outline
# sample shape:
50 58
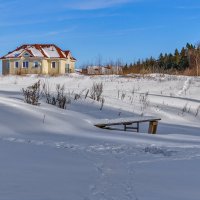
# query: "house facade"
103 70
38 59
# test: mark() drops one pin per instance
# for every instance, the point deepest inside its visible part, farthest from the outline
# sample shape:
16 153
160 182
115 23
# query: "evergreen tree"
176 61
176 56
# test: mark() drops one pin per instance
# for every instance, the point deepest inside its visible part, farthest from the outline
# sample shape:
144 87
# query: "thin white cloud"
96 4
51 33
188 7
21 23
118 32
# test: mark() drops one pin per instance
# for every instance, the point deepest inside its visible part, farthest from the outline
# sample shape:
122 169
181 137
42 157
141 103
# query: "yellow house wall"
45 67
30 70
53 71
72 67
12 70
5 70
62 64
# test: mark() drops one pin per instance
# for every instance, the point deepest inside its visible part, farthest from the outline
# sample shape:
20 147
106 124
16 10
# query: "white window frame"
16 66
38 64
26 64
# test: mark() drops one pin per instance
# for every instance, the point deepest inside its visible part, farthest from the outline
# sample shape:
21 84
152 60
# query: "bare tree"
194 59
197 58
99 60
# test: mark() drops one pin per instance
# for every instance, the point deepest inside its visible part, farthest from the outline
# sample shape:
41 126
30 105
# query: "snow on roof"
40 50
14 54
36 52
51 52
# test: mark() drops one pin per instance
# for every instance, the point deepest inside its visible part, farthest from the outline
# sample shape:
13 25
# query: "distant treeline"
186 62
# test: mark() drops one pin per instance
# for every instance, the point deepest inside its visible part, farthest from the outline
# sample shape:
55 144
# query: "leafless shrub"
86 94
197 111
143 98
96 91
79 95
47 92
32 94
186 108
123 96
118 92
61 99
133 91
102 103
44 118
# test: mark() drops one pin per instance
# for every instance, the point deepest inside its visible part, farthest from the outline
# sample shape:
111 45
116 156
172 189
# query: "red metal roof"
39 50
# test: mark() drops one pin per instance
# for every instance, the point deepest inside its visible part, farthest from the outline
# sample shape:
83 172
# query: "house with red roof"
38 59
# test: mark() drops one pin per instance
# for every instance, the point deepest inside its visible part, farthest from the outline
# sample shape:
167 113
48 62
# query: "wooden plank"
128 121
153 123
130 128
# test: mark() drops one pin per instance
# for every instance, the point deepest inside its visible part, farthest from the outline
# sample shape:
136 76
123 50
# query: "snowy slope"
49 153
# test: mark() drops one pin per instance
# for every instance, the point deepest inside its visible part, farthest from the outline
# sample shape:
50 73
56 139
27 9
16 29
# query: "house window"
26 54
53 64
16 64
25 64
8 64
36 64
67 69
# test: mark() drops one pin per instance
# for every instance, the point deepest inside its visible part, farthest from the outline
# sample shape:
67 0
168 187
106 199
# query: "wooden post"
124 127
153 127
138 126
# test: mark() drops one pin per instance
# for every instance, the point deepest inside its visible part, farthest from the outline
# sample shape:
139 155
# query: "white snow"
50 153
14 53
35 52
185 86
51 52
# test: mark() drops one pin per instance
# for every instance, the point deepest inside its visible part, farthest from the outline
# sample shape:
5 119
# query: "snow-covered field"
47 153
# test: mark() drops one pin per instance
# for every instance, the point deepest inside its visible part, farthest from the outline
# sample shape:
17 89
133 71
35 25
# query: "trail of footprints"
143 150
105 156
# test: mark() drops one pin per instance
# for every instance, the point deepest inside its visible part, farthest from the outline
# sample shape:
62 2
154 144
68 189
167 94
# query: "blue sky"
110 29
